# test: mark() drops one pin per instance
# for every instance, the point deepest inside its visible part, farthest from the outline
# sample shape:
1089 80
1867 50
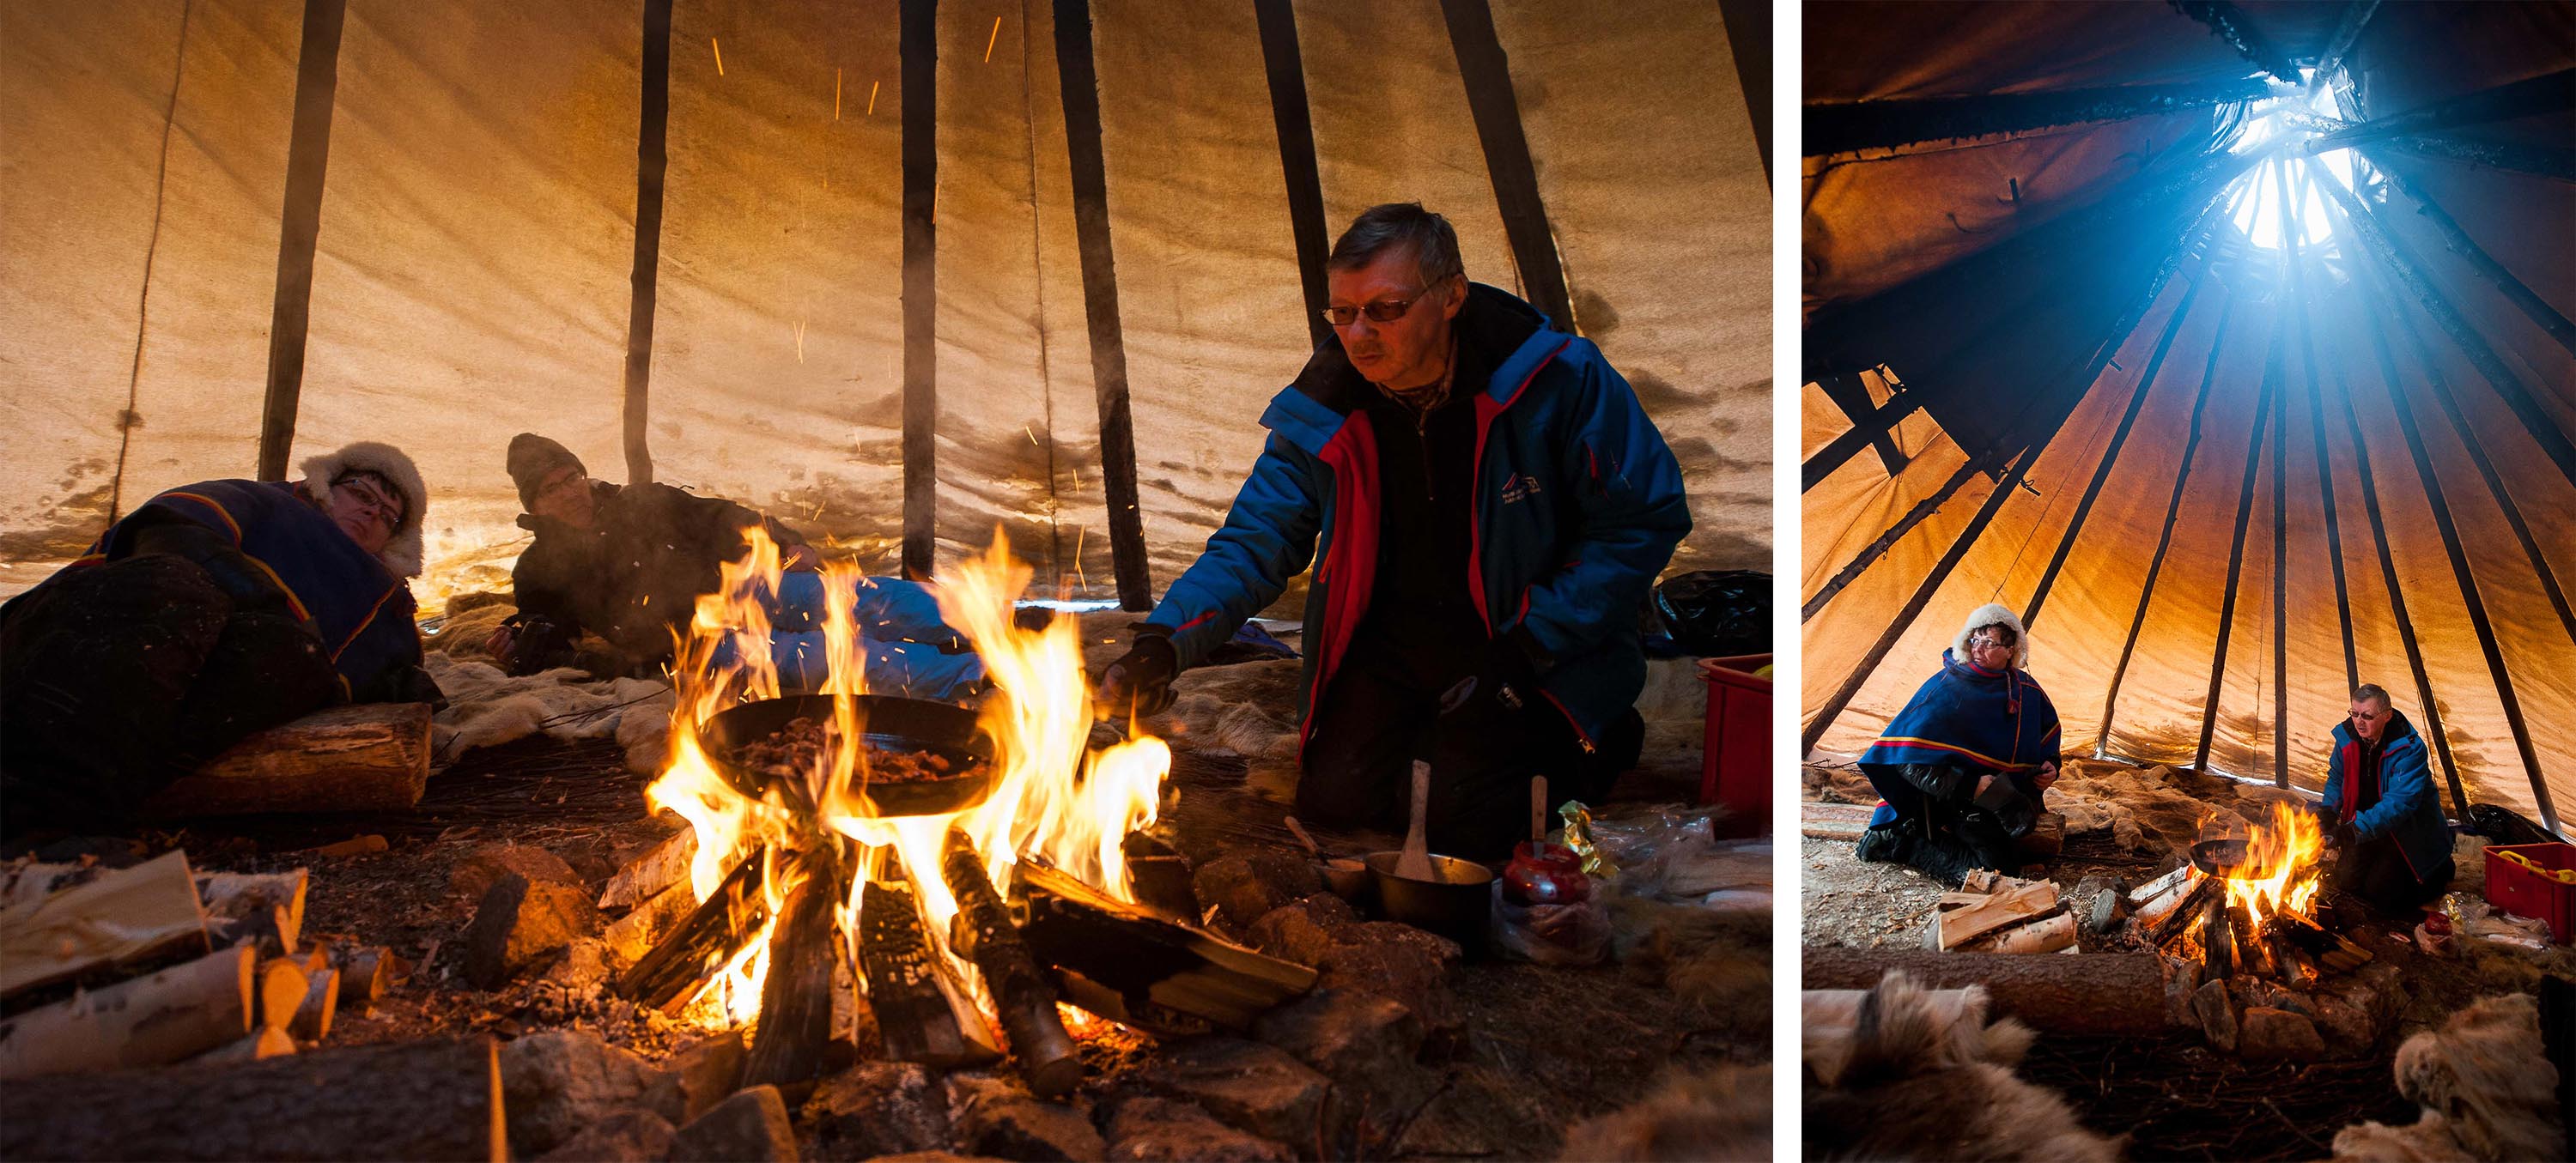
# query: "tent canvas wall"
474 272
2068 352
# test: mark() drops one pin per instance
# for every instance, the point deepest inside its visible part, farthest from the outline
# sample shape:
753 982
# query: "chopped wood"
1024 999
2046 838
1982 881
2093 994
1823 821
2165 918
419 1100
631 936
1132 965
915 1021
364 757
2004 907
651 875
365 973
796 997
122 918
2045 935
280 991
266 908
2176 879
698 948
263 1042
34 882
354 846
313 1017
159 1018
1160 874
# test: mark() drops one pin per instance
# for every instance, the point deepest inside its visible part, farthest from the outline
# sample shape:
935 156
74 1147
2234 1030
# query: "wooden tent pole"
1081 82
2402 265
2557 165
2236 553
2388 565
1488 77
308 156
1865 432
1295 122
1852 398
652 162
1841 128
1748 40
2547 93
2355 16
2531 305
2317 436
2111 454
2173 514
2461 573
2229 23
918 48
1870 553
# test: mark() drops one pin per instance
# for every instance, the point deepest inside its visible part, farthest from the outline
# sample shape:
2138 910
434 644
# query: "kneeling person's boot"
1893 842
1944 857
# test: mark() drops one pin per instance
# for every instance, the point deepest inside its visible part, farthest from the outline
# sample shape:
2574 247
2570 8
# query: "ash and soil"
1539 1047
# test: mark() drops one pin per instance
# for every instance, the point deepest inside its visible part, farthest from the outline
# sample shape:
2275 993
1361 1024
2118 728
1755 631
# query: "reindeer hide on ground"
1722 1114
1925 1076
2487 1089
486 708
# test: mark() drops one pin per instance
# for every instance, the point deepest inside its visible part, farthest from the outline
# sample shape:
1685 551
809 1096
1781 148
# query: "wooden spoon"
1538 810
1299 831
1415 864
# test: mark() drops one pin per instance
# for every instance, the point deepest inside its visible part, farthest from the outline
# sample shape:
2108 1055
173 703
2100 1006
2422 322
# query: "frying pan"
2220 858
887 723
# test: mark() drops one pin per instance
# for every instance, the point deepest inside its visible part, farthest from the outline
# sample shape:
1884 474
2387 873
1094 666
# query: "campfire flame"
1053 796
2280 870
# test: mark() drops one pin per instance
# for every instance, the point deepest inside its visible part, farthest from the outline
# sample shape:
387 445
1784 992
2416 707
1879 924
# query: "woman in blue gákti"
1961 769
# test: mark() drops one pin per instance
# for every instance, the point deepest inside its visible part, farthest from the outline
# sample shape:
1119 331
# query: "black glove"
2342 836
537 643
1140 682
2012 810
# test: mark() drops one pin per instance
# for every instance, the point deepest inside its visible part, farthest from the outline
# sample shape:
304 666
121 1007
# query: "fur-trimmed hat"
532 457
1992 614
402 553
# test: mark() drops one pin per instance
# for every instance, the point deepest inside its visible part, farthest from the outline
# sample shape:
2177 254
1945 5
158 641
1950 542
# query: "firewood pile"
1992 913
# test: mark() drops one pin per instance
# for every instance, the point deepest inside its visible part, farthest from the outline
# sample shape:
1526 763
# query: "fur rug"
486 708
1923 1075
2487 1089
1722 1114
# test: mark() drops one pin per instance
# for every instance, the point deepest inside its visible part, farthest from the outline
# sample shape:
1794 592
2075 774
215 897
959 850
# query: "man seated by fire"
627 563
211 611
2380 812
1492 505
1961 769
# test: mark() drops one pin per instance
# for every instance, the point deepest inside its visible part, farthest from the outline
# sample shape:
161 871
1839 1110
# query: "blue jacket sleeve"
2331 807
1629 491
1268 538
2408 788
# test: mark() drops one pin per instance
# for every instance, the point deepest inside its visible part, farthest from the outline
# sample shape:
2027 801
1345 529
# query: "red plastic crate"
1736 769
2524 893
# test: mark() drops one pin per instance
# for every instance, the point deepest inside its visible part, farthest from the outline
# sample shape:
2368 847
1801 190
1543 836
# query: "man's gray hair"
1379 229
2370 692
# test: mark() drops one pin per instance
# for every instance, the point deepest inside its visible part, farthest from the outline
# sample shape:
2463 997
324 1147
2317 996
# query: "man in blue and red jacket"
1491 507
2380 810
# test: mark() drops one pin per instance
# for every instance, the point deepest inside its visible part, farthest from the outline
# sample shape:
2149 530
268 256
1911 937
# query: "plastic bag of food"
1573 933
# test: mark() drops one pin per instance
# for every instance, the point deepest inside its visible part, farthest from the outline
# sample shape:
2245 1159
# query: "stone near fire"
1303 930
707 1071
627 1136
485 864
2269 1034
2217 1014
1260 1090
522 922
556 1082
1146 1129
878 1108
1246 885
750 1127
1401 963
2346 1028
1000 1118
583 970
1367 1044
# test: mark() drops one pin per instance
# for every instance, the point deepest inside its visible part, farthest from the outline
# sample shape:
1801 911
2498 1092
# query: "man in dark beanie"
627 563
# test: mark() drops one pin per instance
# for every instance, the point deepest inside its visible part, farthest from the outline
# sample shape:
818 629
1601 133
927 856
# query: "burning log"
400 1101
2171 919
983 933
124 917
1161 876
649 875
915 1021
177 1013
666 978
2149 892
2249 940
1129 964
267 908
632 936
2092 994
796 998
364 757
2330 950
2217 942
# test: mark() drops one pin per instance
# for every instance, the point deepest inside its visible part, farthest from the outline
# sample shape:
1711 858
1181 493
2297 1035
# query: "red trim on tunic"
1351 559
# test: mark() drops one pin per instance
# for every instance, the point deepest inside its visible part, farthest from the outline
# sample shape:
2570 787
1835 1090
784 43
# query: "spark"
992 40
1033 436
872 97
711 43
836 98
800 341
1081 583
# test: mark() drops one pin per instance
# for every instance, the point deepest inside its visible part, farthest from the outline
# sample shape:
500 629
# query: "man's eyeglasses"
1382 311
374 500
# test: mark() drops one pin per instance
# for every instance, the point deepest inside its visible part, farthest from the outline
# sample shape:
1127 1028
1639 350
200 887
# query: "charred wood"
914 1019
796 997
1127 963
675 970
1025 1000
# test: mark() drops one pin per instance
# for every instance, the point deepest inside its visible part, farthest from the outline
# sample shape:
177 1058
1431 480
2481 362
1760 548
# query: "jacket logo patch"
1519 488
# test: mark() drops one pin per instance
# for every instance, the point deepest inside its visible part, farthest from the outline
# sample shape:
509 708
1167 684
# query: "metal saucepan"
2222 858
888 723
1455 906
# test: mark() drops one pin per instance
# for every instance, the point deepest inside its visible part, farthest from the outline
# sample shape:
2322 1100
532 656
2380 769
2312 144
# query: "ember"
803 745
